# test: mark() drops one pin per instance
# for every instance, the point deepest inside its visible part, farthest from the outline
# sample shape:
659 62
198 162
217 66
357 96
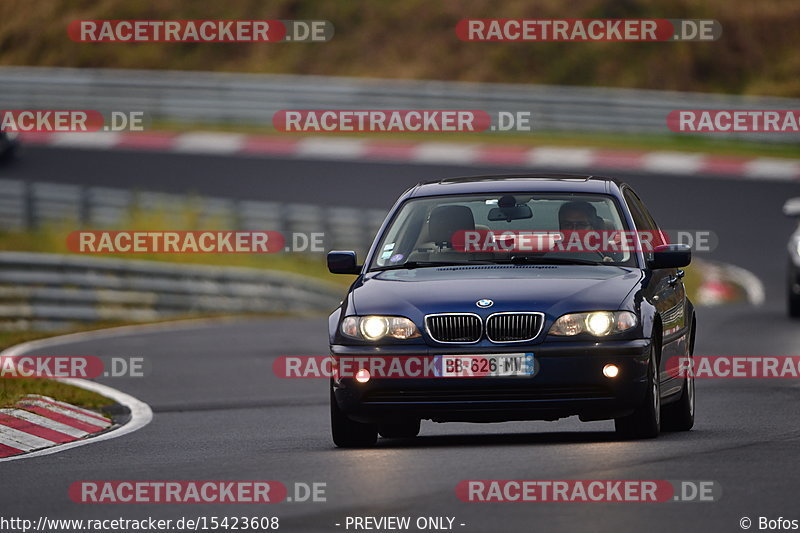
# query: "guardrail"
47 291
207 97
28 205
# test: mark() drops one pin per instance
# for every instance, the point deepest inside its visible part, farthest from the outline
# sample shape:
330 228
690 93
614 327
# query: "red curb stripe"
389 150
147 141
33 429
74 422
724 165
268 145
68 407
39 137
8 451
511 155
624 159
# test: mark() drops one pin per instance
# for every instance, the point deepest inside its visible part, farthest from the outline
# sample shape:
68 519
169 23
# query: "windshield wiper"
525 260
408 265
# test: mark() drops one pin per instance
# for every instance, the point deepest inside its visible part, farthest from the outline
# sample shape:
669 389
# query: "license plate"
488 365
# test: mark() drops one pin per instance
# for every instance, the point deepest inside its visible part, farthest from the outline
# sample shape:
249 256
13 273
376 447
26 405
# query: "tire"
679 416
348 433
645 421
405 429
793 299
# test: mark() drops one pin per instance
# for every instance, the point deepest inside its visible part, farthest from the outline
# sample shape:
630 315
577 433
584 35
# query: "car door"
667 294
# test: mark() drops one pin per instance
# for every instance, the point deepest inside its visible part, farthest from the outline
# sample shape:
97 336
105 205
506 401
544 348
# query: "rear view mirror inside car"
517 212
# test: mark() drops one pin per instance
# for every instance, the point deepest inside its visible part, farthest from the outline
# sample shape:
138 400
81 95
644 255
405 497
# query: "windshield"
547 228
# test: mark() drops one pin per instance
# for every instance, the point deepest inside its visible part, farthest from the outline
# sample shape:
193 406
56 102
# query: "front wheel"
349 433
645 421
679 416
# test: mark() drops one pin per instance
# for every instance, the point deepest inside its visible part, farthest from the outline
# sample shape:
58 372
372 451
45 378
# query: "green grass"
52 238
11 390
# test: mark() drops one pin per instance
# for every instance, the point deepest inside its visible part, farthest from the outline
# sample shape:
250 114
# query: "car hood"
551 289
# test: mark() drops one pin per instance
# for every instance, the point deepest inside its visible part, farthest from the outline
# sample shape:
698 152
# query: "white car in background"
792 208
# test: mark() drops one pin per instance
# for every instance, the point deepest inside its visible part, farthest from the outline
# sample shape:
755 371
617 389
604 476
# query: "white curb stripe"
21 440
561 157
772 169
672 162
335 148
209 143
66 405
445 153
45 422
13 444
343 148
65 412
94 139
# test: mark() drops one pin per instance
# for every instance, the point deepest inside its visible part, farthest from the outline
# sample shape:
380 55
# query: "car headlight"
597 323
374 327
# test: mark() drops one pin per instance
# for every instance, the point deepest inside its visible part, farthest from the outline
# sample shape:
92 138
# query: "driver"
582 216
578 216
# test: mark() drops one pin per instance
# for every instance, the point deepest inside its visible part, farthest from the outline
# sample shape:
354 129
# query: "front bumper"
569 382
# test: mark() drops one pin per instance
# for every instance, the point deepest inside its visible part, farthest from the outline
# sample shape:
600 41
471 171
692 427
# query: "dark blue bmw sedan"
498 298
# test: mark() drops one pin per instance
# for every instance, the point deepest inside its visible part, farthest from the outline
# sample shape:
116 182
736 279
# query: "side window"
646 213
643 221
649 234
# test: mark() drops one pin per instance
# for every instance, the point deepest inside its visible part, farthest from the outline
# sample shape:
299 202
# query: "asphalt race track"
220 413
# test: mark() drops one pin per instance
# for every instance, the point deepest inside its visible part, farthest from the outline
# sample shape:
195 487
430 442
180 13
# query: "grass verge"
12 389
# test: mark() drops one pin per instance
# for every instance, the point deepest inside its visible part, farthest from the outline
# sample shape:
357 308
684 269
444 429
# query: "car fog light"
362 376
611 371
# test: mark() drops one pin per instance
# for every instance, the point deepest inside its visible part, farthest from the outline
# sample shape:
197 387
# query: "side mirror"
792 207
343 263
670 256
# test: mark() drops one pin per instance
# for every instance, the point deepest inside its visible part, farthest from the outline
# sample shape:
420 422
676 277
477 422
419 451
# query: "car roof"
516 183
